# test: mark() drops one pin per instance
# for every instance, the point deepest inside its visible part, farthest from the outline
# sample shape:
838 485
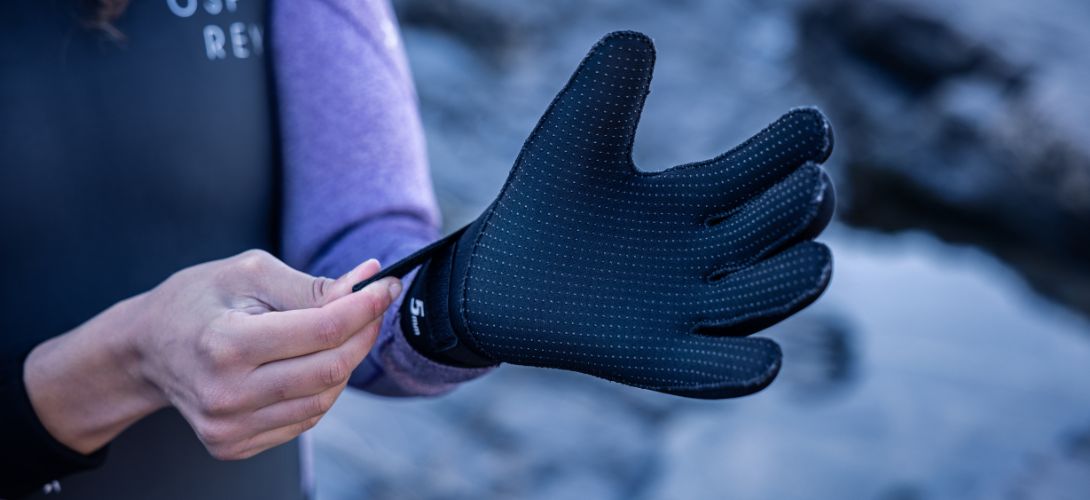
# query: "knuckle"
219 452
243 455
281 391
215 435
306 425
217 402
318 289
316 406
219 349
325 403
226 453
328 331
336 372
377 305
225 355
253 260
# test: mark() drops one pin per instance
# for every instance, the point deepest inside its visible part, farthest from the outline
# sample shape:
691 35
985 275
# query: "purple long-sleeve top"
356 181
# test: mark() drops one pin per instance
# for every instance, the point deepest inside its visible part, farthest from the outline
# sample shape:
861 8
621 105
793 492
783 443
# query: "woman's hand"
250 351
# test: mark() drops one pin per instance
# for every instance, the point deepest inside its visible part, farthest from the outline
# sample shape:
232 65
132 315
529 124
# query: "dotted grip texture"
654 280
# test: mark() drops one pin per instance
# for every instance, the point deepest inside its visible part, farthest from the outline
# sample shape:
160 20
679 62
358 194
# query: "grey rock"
966 119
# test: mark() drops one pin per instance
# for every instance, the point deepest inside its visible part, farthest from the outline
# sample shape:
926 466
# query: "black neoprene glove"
653 280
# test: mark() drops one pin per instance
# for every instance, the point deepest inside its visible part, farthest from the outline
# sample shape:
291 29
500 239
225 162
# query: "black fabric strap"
403 266
425 312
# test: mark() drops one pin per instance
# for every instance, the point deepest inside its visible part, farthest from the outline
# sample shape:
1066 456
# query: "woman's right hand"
251 352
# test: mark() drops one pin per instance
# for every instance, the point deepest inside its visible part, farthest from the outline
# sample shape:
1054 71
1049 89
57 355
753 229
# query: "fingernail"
394 289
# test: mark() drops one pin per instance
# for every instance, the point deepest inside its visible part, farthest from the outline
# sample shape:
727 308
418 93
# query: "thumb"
325 290
298 290
597 111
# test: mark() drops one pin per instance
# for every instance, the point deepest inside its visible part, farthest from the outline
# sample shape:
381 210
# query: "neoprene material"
121 163
652 280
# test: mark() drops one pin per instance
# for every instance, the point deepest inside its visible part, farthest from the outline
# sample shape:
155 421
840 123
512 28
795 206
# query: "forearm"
64 399
356 181
387 237
83 385
356 176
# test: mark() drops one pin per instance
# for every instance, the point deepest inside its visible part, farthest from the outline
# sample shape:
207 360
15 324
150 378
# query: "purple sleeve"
356 181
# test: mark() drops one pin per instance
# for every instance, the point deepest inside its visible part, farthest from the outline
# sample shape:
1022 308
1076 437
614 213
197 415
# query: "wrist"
426 322
129 348
85 386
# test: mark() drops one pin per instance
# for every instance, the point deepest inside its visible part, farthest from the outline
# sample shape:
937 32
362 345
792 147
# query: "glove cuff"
426 316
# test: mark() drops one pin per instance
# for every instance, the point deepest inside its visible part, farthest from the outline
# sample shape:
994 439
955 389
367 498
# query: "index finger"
279 335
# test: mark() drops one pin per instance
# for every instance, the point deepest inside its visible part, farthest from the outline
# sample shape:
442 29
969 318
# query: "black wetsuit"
120 163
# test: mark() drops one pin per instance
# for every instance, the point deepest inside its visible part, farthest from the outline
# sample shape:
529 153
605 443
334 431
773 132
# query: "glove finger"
825 212
734 368
768 222
592 122
705 368
801 135
696 367
678 363
759 296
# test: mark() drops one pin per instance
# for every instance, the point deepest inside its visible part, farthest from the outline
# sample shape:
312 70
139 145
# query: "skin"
251 352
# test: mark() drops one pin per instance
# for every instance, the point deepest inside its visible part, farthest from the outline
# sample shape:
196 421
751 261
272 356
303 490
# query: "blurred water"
969 387
964 385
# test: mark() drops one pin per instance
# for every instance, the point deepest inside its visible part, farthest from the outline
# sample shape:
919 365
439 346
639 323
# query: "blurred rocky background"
950 358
